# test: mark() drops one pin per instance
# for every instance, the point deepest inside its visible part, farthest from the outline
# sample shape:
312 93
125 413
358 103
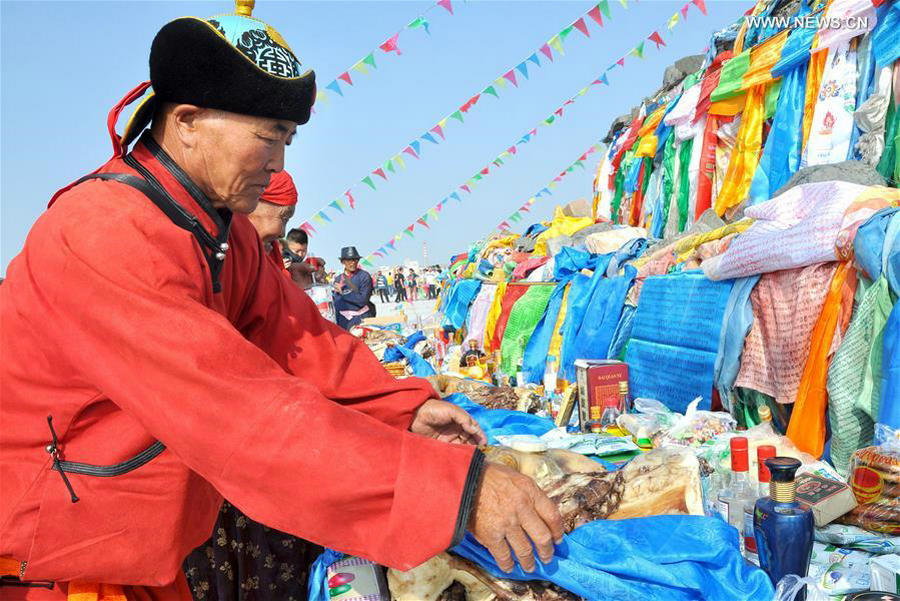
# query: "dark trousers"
401 294
383 294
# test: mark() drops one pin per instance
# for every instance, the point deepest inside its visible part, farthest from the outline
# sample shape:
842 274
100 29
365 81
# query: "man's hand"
446 422
510 515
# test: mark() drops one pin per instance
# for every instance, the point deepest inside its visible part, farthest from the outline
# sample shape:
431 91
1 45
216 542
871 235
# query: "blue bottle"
783 527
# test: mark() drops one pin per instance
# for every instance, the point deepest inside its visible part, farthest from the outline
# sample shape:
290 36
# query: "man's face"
298 249
235 155
270 219
350 265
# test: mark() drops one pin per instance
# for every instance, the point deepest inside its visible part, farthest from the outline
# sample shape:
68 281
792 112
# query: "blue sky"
64 64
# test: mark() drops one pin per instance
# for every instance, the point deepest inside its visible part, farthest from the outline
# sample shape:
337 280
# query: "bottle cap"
765 414
764 452
782 469
739 459
623 386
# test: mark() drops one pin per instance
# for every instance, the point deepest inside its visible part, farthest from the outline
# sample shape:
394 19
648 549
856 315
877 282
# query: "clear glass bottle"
750 549
739 491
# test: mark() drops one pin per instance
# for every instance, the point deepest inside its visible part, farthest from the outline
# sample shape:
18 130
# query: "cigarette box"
598 387
828 499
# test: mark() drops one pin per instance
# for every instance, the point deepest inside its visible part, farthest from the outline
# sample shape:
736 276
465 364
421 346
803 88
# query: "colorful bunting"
350 199
510 77
430 138
422 221
416 145
336 204
379 172
307 227
594 13
638 50
523 69
439 130
419 22
368 181
335 87
604 6
408 150
700 4
656 39
370 60
389 166
547 52
673 21
565 33
492 91
581 26
457 115
446 4
556 42
534 58
684 11
391 44
346 77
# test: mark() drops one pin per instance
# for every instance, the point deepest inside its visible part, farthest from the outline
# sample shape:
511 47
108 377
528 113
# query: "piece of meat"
583 498
487 395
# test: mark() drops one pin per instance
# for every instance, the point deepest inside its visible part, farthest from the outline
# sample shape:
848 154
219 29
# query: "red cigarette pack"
598 387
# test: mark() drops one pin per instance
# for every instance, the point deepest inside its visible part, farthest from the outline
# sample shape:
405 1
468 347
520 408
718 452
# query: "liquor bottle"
783 527
765 414
750 550
739 492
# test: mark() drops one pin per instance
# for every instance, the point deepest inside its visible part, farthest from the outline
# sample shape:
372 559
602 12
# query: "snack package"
839 571
651 416
853 537
662 427
875 479
356 579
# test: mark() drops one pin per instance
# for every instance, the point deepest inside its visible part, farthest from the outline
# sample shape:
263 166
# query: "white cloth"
855 17
832 124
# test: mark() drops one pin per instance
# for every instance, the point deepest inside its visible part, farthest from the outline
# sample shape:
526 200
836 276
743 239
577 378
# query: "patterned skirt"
246 561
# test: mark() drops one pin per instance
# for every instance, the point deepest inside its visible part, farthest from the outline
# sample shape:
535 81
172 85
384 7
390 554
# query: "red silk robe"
110 325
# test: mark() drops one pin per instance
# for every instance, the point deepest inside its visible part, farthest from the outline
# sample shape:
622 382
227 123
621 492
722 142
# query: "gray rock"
854 172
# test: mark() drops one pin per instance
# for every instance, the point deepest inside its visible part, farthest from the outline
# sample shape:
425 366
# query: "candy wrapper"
655 423
875 478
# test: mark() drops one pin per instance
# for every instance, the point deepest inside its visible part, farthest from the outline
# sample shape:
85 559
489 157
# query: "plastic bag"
875 478
651 417
791 585
853 537
839 571
695 427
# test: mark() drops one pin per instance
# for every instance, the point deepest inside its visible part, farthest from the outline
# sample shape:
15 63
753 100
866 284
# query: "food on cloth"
450 578
487 395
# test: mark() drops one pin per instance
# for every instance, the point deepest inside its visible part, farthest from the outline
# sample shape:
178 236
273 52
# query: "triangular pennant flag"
684 11
582 91
638 50
524 139
503 226
500 83
624 3
370 60
307 227
457 115
604 79
511 150
399 160
534 58
368 181
491 90
511 77
559 112
533 132
580 164
549 120
380 172
409 233
432 213
700 4
408 150
594 13
673 21
336 204
335 87
322 96
350 199
581 26
430 138
416 145
389 166
525 209
565 32
398 237
422 222
570 169
497 162
419 22
324 215
470 103
621 61
346 77
456 196
552 185
446 4
377 254
547 52
466 188
484 171
656 39
360 67
556 42
604 6
439 131
523 69
391 45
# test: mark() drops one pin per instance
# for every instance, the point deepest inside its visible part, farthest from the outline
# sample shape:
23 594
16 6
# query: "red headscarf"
281 190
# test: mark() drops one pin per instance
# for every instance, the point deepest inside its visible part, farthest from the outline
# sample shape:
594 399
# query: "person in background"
400 285
298 242
353 291
381 285
390 284
412 284
275 208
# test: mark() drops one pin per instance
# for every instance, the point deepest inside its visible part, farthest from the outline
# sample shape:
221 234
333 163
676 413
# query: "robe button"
220 256
223 247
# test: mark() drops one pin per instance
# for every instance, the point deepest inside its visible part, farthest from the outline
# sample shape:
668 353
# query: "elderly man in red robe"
134 400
